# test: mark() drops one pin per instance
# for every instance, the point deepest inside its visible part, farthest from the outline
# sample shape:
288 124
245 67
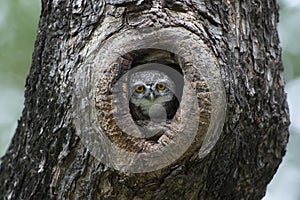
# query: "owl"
152 96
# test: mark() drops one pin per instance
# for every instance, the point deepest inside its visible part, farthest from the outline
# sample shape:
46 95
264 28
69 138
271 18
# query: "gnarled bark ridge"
237 79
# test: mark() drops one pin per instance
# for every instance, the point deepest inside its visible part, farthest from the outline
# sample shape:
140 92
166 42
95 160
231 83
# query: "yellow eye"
161 86
139 88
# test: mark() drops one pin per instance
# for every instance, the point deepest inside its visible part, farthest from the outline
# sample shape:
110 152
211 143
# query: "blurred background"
18 29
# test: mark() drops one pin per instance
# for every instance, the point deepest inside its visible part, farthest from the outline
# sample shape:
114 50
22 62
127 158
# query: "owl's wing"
136 113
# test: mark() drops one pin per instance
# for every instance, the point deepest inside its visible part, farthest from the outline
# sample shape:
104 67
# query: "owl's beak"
151 95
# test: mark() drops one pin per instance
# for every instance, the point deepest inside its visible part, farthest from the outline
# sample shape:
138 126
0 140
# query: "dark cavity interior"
165 58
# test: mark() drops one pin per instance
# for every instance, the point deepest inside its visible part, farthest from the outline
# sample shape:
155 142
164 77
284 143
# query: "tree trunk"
229 133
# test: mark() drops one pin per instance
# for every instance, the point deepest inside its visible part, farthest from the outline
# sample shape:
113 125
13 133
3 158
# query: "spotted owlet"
152 96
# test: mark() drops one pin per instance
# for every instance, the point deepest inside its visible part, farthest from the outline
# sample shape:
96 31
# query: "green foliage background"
289 31
18 29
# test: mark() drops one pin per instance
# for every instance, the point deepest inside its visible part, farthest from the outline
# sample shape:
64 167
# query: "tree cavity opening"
145 63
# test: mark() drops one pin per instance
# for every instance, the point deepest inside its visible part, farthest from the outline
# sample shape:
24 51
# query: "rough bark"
46 159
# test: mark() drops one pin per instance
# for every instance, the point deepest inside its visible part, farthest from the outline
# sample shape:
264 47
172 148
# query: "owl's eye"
161 86
139 88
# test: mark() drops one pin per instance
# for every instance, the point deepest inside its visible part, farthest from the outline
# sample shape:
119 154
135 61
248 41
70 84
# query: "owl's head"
149 88
151 85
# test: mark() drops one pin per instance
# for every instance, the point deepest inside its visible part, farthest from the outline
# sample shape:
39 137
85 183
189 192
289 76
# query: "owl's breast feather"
146 104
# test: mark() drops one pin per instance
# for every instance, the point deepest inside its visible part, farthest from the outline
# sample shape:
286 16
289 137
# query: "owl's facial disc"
155 91
152 97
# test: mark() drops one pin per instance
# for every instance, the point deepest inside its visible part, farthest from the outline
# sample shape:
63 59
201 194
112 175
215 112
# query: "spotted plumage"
152 96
